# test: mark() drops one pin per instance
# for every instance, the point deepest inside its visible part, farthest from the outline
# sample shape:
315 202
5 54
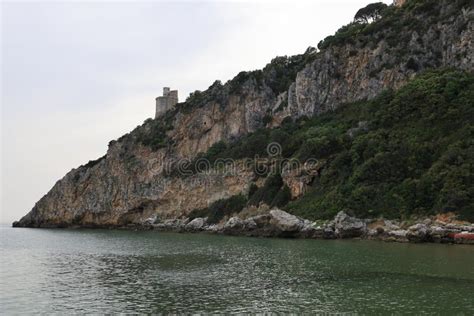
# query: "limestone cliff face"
361 69
135 181
229 118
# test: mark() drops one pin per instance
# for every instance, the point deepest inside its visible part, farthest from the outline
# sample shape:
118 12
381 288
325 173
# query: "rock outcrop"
284 222
418 233
349 227
196 224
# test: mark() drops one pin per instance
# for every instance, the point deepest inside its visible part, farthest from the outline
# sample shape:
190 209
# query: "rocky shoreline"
278 223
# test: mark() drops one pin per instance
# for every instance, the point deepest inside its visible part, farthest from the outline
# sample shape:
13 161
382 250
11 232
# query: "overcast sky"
76 75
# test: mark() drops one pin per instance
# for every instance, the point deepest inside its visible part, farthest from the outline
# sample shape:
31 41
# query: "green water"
99 271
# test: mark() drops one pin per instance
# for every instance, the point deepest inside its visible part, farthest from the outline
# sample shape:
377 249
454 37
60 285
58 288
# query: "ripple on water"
118 271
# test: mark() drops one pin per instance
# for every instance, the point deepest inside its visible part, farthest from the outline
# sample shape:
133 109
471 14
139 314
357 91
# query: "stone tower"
166 102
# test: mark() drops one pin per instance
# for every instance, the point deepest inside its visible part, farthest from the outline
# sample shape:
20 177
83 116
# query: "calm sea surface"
105 271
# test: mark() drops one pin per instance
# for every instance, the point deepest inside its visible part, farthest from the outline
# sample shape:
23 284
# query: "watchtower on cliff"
166 102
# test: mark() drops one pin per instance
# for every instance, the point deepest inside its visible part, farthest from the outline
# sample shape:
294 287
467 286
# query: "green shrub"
153 133
267 119
219 209
282 197
346 34
268 191
371 12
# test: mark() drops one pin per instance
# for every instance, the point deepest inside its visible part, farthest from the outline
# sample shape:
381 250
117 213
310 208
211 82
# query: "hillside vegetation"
405 153
401 153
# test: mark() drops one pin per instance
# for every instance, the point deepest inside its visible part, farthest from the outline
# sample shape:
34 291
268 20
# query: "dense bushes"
344 35
281 71
249 146
217 92
371 12
277 75
282 197
272 193
153 132
221 208
392 24
416 158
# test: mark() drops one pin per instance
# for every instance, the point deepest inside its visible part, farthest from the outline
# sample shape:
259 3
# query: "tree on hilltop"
370 13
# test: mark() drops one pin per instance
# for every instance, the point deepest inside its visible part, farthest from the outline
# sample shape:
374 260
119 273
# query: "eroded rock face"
299 179
233 117
133 182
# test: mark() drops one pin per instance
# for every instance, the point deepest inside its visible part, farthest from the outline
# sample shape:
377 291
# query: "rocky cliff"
137 178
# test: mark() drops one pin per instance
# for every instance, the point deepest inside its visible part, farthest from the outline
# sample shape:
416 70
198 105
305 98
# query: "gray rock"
372 233
442 233
234 226
250 224
196 224
151 220
391 225
329 233
439 234
261 220
427 221
285 222
418 233
399 235
310 231
469 228
349 227
234 223
331 224
176 223
215 228
171 224
402 233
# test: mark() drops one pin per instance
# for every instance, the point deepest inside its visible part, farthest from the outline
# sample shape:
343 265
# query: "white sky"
75 75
